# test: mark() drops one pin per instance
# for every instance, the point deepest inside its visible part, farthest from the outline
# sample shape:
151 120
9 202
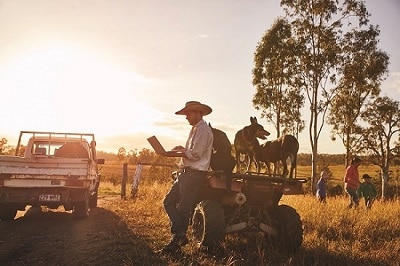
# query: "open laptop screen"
159 149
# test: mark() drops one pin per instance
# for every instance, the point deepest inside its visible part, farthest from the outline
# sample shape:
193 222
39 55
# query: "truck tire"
208 224
290 229
81 208
7 212
72 150
94 197
93 200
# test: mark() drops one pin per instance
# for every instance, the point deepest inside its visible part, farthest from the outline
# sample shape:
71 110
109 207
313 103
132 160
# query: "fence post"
136 179
124 178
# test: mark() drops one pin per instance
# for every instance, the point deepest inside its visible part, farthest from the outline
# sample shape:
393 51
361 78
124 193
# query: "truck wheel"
81 208
72 150
93 201
93 197
290 229
7 212
208 224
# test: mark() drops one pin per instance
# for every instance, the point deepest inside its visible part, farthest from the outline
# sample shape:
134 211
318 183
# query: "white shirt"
198 147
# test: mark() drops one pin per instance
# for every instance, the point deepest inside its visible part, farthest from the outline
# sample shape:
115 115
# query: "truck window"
40 151
46 148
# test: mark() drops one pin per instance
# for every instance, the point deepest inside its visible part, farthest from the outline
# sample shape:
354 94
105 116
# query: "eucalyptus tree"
379 136
363 69
318 33
273 71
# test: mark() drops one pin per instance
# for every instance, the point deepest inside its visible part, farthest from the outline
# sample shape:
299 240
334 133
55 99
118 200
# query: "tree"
132 156
121 154
279 101
317 34
364 68
3 143
383 123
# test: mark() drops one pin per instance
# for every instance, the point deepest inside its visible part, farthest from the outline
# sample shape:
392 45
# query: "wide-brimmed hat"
366 176
195 106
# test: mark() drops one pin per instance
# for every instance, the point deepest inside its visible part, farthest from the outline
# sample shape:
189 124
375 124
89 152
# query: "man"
352 181
194 164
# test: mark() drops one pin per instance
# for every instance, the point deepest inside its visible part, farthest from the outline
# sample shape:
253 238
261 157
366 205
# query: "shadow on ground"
57 238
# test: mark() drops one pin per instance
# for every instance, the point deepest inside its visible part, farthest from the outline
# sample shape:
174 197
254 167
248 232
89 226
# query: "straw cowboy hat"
194 106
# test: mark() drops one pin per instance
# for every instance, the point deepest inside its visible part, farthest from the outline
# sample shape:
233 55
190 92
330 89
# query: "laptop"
159 149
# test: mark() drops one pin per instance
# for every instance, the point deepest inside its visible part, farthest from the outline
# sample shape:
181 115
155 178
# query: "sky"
121 68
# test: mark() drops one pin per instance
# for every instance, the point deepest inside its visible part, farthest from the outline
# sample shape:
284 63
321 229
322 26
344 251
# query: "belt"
188 169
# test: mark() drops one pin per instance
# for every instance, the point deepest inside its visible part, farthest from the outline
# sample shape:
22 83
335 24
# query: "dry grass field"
333 234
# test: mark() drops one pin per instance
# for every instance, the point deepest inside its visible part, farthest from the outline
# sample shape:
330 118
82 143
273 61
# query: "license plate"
49 197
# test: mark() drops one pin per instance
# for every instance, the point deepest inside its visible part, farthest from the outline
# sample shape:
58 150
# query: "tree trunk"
348 154
314 147
385 178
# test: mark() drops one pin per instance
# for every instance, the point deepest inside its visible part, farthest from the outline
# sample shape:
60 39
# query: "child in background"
321 187
367 191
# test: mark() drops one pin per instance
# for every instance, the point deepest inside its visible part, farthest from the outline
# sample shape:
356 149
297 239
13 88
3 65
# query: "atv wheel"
208 224
290 229
7 212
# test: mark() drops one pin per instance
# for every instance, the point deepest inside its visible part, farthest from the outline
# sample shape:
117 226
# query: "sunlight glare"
63 88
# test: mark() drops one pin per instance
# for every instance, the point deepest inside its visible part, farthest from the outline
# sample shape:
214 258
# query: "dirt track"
56 238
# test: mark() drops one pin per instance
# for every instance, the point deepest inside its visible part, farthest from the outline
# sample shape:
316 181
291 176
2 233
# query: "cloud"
200 36
393 81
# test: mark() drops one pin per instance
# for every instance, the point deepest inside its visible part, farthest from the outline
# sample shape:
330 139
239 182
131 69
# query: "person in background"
194 164
367 191
321 187
352 181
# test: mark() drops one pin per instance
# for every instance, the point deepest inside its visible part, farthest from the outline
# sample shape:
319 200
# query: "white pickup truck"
57 169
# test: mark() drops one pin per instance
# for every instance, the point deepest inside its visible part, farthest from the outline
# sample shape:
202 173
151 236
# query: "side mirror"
100 161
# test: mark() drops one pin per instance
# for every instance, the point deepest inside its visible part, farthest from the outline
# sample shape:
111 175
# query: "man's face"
193 117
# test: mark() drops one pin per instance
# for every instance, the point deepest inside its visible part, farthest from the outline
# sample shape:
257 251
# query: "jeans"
180 200
352 197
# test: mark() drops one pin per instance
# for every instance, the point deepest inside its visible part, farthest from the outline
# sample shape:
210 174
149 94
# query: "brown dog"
246 143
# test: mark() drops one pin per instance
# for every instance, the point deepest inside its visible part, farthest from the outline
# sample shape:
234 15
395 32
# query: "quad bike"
247 202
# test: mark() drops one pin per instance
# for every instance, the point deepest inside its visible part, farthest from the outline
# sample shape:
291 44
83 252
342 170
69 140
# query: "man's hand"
179 148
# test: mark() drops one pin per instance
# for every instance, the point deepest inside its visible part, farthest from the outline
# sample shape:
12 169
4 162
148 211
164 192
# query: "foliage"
363 69
4 149
108 156
279 101
383 118
3 142
121 154
313 51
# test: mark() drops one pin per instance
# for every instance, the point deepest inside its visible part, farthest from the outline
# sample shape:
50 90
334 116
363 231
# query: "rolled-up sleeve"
200 144
198 150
